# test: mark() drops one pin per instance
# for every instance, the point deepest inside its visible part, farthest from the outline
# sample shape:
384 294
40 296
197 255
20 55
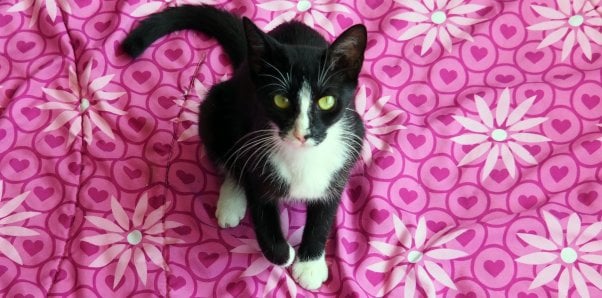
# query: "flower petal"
376 108
420 233
567 46
593 246
470 139
104 106
104 239
120 216
61 119
277 5
385 118
104 224
411 16
446 254
7 249
140 265
416 6
146 9
589 233
410 287
584 44
573 228
360 100
439 274
591 274
465 9
537 241
463 21
553 37
101 82
394 280
323 21
287 16
442 236
445 39
592 258
508 160
593 34
415 31
273 279
471 124
425 282
490 162
21 6
521 152
526 124
565 6
17 216
580 283
458 33
428 41
385 248
503 105
290 285
17 231
101 124
547 25
484 111
529 137
13 204
548 13
563 283
258 266
475 153
140 210
401 231
104 95
554 227
61 95
538 258
154 254
545 276
122 264
244 249
108 256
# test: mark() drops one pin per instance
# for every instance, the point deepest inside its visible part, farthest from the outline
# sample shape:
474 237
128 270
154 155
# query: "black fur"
244 104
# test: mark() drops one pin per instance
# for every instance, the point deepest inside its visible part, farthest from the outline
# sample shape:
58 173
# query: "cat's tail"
221 25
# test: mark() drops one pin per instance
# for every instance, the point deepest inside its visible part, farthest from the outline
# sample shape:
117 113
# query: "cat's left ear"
347 51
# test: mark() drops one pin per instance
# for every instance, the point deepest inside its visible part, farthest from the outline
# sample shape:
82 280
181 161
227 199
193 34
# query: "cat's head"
305 90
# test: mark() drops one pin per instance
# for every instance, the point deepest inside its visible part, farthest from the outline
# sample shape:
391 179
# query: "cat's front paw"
231 205
310 274
281 254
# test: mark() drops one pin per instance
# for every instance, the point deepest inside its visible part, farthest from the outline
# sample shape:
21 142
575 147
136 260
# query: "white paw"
291 256
231 205
310 274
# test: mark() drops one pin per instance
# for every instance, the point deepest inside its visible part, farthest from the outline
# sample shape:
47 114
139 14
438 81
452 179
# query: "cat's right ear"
258 44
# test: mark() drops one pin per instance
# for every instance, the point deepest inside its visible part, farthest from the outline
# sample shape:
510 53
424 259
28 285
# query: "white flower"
437 19
569 254
376 121
82 105
261 264
132 239
577 20
7 217
415 261
310 12
499 138
52 7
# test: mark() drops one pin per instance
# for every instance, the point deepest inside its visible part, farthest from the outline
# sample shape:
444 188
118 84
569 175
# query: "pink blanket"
480 176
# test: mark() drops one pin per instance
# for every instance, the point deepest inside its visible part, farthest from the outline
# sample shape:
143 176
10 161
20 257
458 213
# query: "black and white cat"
282 128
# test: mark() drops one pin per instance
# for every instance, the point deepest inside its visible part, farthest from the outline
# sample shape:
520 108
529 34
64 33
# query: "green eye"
326 103
281 101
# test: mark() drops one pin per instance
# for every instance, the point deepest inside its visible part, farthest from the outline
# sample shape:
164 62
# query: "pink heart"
43 193
102 26
173 54
416 140
141 76
166 102
561 126
105 146
185 177
527 201
157 201
379 215
590 101
344 21
558 173
384 162
25 46
591 146
398 24
162 149
30 113
587 198
417 100
408 196
5 19
494 268
439 173
19 164
499 175
236 288
133 174
435 226
504 78
448 76
467 202
508 31
137 123
53 141
392 71
374 277
478 52
207 259
534 57
33 247
89 249
466 237
350 247
445 119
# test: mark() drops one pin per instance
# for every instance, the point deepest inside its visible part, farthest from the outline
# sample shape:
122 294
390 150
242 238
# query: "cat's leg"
266 222
231 205
310 269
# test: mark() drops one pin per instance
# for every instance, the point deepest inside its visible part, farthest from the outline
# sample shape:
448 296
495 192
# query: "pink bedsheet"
481 175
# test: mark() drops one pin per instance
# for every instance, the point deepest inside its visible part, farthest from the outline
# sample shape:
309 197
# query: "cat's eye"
281 101
326 103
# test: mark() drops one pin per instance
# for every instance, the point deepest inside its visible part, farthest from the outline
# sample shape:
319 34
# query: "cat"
282 128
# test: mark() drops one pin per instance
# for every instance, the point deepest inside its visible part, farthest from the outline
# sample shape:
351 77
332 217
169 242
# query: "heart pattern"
122 145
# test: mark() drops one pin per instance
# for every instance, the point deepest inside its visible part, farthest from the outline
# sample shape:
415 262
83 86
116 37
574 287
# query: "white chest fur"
309 171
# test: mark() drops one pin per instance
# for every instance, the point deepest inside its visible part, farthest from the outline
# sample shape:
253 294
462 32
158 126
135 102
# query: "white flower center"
438 17
568 255
414 256
303 5
134 237
576 20
84 105
499 135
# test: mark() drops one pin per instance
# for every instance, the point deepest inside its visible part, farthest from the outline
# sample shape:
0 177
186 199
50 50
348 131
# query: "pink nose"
299 137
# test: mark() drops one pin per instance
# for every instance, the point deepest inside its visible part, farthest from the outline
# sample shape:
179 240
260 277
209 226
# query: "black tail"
221 25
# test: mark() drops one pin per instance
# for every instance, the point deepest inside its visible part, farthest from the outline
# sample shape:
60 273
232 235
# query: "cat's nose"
299 136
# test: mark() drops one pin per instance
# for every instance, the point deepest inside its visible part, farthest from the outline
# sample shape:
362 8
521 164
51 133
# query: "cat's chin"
296 144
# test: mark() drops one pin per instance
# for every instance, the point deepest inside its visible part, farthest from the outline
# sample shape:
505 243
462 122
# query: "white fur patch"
302 122
311 274
309 169
291 256
231 205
